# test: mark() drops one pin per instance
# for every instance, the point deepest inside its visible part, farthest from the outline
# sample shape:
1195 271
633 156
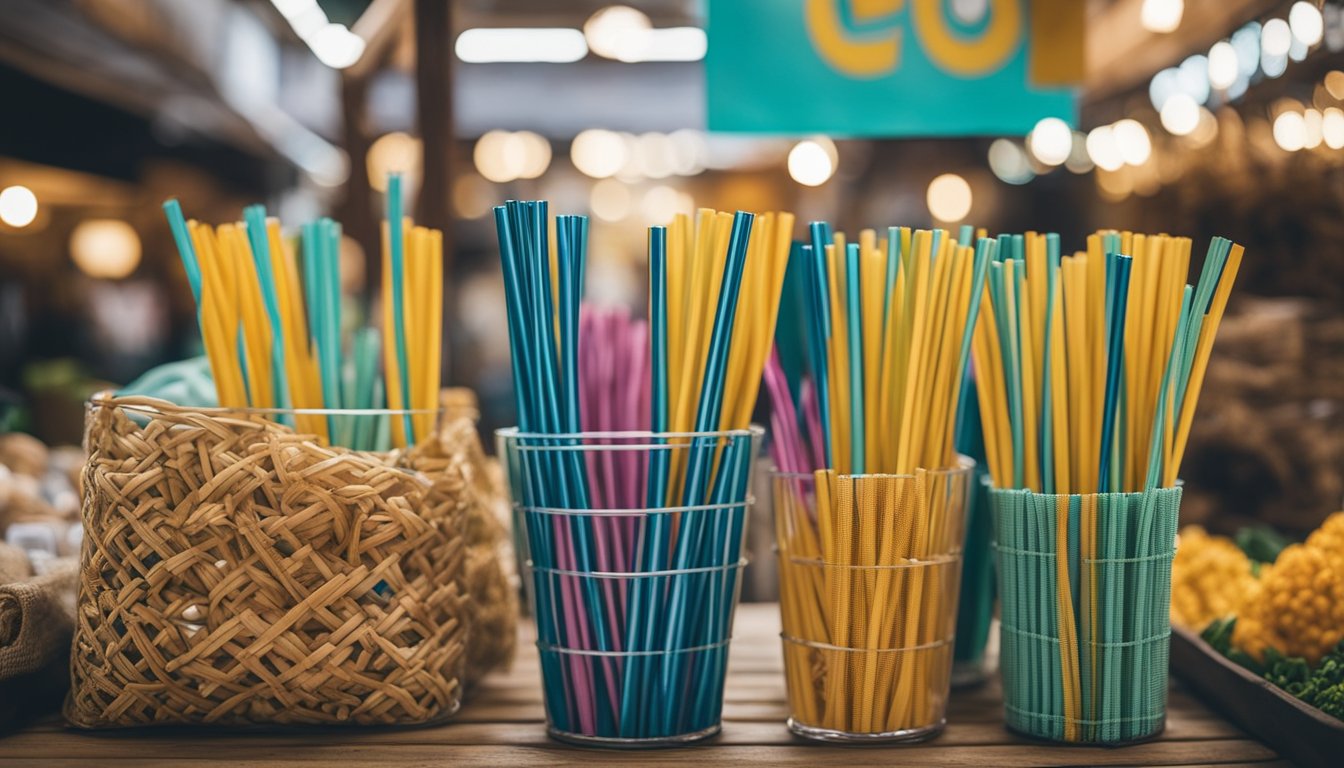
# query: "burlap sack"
36 622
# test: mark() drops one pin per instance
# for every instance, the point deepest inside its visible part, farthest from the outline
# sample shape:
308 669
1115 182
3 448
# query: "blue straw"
1117 298
820 232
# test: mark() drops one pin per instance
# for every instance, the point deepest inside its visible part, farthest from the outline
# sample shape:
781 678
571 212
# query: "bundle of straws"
888 343
1091 365
272 324
714 290
1088 370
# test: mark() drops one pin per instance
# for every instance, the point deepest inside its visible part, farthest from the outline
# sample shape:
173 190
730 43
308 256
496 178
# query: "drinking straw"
1104 346
219 320
396 259
181 236
1123 341
274 335
254 217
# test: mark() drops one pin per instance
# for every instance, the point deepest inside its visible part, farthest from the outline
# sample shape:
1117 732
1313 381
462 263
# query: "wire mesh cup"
633 554
1085 593
870 567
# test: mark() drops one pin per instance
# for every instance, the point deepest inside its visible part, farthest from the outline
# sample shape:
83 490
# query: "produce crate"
1299 731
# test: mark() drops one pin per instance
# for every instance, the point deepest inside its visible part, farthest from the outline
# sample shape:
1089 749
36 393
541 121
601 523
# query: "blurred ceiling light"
598 153
1161 16
291 8
674 44
689 151
534 154
1276 37
1246 42
653 153
1164 85
1078 161
610 200
949 198
1193 75
1132 139
812 161
1273 65
472 196
1180 115
1103 148
1290 131
660 203
618 32
1223 69
1008 160
105 248
1116 185
1312 129
336 46
498 156
552 45
1050 141
1304 19
1298 50
18 206
1332 128
1206 129
394 152
1334 83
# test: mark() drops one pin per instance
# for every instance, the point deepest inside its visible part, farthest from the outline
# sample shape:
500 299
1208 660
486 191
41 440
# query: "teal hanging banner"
892 67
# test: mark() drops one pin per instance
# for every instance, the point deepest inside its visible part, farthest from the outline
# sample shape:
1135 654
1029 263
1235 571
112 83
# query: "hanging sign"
892 67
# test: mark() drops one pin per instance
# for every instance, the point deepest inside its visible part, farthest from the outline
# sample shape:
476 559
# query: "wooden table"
503 726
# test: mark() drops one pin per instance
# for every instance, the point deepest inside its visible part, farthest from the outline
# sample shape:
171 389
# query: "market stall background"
1226 121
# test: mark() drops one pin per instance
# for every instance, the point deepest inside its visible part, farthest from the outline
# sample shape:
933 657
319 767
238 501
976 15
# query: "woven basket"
491 581
237 573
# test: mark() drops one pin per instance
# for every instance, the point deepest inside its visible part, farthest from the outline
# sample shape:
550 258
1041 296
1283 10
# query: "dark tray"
1299 732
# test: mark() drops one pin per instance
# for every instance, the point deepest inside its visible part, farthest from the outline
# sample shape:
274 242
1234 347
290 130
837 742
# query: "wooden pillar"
357 212
434 110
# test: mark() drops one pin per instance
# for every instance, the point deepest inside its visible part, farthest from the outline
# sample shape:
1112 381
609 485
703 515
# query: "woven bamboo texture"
237 573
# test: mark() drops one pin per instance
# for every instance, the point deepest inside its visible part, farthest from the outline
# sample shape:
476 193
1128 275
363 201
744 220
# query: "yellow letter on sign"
969 57
856 58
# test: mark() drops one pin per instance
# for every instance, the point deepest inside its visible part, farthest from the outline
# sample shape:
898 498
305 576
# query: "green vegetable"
1261 543
1322 687
1219 636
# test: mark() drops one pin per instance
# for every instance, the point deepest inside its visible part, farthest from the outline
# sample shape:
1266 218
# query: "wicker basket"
237 573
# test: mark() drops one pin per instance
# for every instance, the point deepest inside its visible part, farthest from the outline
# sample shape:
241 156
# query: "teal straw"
178 224
1047 440
396 241
254 217
820 232
1117 299
366 349
853 303
658 525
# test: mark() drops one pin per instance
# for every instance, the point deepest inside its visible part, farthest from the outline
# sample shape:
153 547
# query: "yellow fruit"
1298 611
1210 579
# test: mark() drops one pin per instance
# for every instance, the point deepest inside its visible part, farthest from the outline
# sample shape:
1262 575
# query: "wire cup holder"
634 602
